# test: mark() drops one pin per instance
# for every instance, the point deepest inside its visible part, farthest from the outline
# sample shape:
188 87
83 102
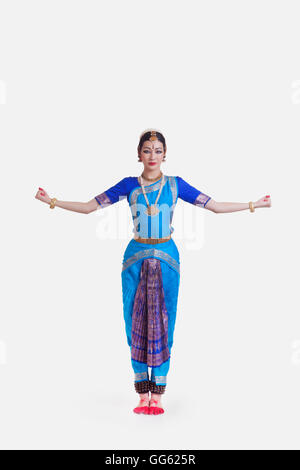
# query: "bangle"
52 203
251 206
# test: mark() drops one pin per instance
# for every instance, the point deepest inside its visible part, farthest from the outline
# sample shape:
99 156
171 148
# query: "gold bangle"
251 206
52 203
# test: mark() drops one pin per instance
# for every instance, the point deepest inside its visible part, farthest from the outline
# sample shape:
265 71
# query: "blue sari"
151 272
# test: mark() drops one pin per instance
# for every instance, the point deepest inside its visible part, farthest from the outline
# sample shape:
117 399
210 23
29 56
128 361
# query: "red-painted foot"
142 409
155 410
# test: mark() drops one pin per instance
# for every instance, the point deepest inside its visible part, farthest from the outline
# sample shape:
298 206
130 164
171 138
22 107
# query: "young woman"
151 263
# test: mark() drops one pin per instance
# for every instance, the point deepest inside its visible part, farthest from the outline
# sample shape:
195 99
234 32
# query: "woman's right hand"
43 196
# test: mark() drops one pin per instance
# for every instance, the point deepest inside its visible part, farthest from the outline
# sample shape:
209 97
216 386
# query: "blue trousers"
134 256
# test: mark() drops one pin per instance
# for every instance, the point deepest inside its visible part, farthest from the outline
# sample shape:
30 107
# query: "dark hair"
147 136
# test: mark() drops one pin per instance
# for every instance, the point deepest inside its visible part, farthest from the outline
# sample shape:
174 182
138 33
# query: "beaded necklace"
152 209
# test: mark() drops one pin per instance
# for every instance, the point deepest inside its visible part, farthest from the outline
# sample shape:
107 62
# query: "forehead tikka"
153 136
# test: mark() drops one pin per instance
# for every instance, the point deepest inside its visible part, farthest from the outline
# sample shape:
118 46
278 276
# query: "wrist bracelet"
52 203
251 206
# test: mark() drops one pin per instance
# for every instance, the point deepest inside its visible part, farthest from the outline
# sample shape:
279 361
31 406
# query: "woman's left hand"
263 202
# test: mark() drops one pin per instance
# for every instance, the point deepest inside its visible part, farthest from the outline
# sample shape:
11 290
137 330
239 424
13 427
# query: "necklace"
153 179
152 209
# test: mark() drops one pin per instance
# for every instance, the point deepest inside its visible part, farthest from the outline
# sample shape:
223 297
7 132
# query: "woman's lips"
152 163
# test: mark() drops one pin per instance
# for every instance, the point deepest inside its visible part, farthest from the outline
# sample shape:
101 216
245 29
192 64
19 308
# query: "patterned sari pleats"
149 334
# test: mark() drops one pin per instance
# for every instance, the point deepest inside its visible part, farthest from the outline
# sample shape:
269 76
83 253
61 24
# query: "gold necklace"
152 179
152 209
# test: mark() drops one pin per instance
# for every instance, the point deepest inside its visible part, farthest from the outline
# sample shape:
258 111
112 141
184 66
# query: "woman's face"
152 154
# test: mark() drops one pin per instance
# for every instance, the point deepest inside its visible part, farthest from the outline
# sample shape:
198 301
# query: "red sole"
142 410
155 410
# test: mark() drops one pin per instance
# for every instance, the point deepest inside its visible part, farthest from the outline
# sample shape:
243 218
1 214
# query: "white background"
80 81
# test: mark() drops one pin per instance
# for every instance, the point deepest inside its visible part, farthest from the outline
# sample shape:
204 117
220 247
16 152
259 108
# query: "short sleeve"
113 194
188 193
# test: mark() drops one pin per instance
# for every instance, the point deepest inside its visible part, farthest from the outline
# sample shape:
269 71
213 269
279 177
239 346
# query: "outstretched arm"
81 207
194 196
222 207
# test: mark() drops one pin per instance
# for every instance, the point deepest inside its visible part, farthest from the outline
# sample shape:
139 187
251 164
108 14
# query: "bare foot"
155 406
143 405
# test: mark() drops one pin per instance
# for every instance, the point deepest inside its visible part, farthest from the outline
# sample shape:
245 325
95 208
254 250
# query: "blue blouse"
159 225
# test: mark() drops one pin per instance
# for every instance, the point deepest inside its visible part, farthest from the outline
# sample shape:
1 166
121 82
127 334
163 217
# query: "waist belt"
152 240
